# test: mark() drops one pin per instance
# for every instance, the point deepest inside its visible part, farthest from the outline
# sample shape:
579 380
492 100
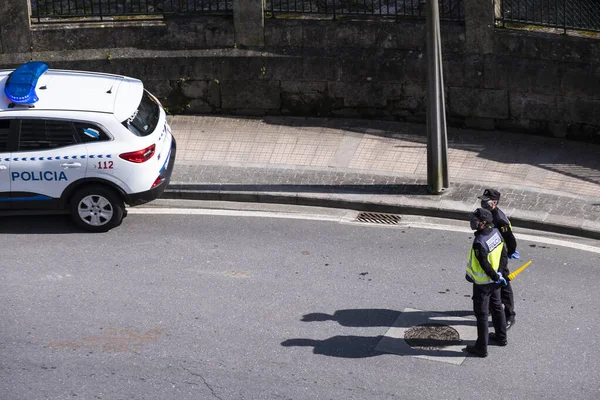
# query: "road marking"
349 218
110 339
522 236
232 213
237 274
393 340
558 242
114 340
56 277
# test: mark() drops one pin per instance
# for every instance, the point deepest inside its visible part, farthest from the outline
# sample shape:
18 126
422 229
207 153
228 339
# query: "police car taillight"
157 182
139 156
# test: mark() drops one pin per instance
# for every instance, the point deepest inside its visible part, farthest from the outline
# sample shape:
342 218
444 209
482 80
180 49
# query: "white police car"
81 141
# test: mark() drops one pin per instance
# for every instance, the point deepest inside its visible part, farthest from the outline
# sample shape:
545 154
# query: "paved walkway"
381 166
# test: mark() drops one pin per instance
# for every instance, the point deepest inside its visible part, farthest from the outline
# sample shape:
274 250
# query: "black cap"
490 194
483 215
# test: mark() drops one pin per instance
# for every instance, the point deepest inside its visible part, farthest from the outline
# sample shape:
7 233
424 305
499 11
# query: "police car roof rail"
16 105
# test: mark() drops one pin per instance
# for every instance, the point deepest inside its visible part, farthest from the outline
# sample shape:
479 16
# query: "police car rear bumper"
136 199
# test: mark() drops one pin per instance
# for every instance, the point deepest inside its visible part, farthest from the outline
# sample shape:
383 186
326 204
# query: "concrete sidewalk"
546 183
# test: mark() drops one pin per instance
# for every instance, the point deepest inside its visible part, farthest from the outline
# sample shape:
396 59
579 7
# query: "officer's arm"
504 259
481 254
508 236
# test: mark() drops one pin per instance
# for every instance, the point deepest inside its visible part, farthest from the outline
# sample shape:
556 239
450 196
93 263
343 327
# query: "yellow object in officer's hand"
517 272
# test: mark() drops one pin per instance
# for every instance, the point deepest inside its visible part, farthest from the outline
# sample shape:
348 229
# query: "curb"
439 209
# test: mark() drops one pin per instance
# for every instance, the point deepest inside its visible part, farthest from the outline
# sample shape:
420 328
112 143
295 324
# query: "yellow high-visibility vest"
494 244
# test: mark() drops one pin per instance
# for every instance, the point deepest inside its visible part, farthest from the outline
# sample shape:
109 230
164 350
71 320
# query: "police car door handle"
2 166
71 165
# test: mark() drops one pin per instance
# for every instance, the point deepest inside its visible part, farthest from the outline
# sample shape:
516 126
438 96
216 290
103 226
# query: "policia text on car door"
49 157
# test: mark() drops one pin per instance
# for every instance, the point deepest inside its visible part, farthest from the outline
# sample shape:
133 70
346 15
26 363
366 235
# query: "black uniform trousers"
507 297
486 298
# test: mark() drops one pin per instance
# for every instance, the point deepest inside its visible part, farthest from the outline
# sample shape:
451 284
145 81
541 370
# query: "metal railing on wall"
559 14
449 9
48 11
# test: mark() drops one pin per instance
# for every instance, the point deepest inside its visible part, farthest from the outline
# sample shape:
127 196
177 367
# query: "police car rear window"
89 133
145 119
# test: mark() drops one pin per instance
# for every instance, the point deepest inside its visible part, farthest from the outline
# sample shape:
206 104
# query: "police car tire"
116 203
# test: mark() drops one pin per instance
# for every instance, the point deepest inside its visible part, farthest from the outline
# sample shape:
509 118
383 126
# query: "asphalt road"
244 306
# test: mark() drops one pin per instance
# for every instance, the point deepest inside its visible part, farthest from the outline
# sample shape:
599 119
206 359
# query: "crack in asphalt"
203 380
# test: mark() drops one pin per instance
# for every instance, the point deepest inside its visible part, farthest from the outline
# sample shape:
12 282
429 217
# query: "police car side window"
40 134
4 129
90 133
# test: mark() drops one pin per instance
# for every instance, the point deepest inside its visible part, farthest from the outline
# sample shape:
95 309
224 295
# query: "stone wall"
178 33
494 79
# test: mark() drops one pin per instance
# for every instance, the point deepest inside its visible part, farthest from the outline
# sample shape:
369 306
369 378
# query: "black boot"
496 341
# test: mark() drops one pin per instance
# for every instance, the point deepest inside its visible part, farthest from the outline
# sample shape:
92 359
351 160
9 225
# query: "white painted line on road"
558 242
522 236
233 213
349 218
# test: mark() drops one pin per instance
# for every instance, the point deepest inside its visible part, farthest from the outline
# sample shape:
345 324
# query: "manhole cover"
378 218
431 336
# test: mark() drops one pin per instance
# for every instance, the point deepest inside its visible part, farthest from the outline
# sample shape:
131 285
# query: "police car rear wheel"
97 209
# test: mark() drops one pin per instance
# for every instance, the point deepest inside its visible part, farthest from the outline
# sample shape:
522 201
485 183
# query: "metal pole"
437 141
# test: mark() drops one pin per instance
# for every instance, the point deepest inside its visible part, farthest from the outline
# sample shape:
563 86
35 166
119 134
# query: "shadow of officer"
376 317
363 346
357 317
340 346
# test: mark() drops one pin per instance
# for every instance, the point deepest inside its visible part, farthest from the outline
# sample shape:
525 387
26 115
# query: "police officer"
489 201
486 257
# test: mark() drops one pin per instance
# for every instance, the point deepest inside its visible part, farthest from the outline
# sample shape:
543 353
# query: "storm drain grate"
378 218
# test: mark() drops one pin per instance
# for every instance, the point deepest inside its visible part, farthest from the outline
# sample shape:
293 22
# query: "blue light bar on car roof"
21 83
